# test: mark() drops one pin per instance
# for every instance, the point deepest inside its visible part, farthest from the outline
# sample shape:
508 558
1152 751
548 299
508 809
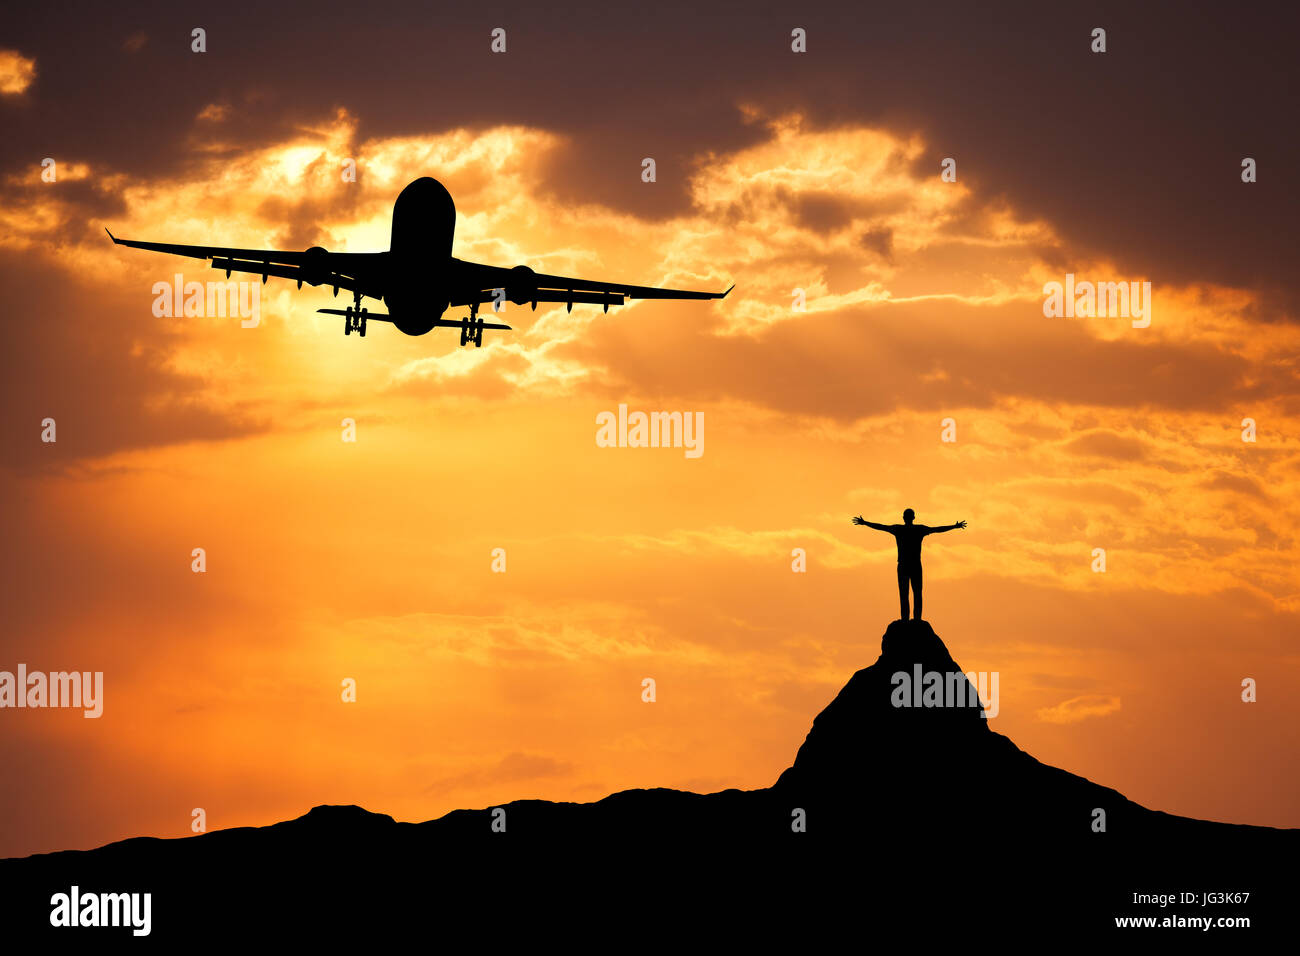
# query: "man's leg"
902 592
916 591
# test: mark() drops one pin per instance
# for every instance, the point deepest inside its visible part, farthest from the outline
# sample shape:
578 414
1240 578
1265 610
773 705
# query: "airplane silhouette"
418 278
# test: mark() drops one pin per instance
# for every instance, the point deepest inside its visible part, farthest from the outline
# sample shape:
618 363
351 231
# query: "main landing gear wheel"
354 320
471 330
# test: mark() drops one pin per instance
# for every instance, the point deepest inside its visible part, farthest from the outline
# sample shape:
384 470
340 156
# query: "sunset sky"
776 171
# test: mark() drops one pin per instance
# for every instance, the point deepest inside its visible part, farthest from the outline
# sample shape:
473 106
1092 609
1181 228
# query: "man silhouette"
908 536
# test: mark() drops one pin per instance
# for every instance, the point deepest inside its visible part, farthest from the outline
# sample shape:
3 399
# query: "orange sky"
372 561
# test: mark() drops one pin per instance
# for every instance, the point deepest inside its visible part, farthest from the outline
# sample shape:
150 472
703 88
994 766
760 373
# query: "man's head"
909 516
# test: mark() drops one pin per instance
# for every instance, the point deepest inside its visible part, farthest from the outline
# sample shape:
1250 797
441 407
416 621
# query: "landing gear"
471 328
354 319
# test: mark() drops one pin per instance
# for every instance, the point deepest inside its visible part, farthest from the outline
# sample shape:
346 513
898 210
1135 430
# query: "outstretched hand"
961 524
859 520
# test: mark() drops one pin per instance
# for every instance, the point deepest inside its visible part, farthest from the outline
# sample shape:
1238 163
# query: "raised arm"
870 524
948 527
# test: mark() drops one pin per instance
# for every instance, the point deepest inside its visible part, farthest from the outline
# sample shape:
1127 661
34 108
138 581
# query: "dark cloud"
1104 444
879 241
1030 114
1133 154
93 357
1236 484
865 361
822 212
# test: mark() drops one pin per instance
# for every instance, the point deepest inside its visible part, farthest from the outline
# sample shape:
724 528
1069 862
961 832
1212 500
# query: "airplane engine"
522 285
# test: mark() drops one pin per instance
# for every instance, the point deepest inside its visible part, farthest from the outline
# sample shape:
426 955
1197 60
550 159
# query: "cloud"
1079 708
856 73
1105 444
98 363
948 324
1235 484
16 72
512 768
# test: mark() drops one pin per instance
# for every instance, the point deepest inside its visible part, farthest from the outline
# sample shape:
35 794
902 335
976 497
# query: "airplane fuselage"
419 256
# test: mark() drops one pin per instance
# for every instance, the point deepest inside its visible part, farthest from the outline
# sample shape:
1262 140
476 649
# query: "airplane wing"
561 283
355 271
480 284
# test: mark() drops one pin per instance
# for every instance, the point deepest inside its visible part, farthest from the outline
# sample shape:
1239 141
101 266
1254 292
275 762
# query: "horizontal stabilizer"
456 324
445 323
380 316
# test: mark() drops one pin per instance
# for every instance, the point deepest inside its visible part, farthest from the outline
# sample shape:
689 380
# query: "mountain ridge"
873 780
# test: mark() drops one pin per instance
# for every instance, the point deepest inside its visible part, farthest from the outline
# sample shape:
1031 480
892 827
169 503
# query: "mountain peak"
912 706
341 815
